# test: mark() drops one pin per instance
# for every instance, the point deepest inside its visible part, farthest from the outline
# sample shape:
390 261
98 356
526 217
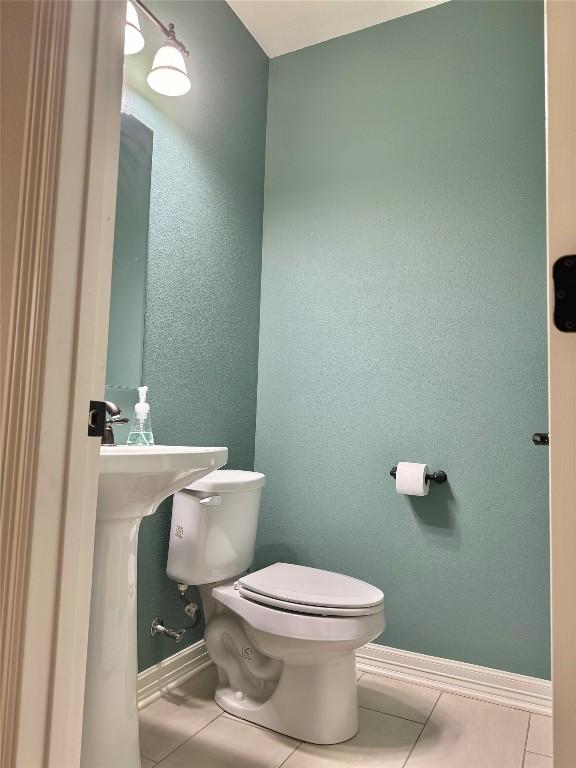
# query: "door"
61 64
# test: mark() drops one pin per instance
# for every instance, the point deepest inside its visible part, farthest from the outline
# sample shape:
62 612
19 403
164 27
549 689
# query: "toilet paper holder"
439 477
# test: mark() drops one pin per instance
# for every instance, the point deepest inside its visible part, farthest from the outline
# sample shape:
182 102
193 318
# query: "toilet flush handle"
211 501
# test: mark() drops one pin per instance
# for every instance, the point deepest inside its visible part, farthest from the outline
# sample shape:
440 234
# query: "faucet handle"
111 408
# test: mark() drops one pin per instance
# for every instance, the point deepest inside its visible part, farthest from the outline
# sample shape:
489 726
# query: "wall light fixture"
168 75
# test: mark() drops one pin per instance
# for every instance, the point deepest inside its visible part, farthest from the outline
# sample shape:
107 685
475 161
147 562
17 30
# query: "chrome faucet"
113 413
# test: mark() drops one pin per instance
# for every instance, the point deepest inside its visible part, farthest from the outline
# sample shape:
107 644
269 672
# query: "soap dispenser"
141 429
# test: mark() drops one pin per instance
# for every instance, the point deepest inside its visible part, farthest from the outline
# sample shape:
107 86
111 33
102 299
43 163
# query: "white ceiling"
280 26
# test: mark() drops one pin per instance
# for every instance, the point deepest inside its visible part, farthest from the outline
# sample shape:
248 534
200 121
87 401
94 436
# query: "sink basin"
133 481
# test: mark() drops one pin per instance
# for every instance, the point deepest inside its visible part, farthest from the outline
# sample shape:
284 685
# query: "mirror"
128 294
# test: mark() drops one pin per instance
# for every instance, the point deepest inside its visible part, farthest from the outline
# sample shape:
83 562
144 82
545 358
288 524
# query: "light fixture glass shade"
168 75
133 39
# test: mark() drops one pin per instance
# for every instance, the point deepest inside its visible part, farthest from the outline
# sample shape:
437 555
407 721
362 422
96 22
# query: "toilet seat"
293 625
300 589
316 610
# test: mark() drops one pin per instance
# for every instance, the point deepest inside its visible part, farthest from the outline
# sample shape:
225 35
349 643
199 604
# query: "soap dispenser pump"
141 429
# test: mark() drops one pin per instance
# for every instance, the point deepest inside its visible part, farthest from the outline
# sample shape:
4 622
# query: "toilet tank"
213 530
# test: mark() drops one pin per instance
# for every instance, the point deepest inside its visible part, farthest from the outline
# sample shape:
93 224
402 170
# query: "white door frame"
57 304
561 182
50 466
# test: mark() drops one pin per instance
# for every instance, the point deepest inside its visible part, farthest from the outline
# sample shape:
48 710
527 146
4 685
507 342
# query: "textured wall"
203 287
403 318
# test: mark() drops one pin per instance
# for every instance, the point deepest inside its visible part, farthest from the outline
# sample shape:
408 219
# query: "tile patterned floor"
401 726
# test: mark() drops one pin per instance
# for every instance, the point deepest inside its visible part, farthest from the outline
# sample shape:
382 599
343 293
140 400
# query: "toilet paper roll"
411 479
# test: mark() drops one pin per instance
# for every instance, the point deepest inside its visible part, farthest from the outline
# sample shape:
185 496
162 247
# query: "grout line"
186 741
378 713
290 755
405 764
241 721
398 717
237 719
526 741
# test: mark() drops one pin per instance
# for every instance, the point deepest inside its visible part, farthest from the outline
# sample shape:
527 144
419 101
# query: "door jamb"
561 236
57 305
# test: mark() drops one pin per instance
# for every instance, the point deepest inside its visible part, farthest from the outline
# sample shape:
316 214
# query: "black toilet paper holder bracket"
439 477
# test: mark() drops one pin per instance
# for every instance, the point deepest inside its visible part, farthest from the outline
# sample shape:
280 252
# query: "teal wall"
203 285
403 317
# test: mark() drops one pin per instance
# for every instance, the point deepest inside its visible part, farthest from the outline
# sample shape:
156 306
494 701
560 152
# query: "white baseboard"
528 693
155 681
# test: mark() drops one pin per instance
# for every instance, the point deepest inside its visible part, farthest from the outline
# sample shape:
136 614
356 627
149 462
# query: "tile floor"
401 726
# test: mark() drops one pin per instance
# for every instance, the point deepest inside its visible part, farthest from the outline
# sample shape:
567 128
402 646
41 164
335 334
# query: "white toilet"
283 638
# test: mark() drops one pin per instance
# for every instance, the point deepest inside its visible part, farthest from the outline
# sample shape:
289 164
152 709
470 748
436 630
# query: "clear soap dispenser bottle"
141 429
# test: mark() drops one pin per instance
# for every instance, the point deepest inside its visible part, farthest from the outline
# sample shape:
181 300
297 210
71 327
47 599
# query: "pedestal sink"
133 481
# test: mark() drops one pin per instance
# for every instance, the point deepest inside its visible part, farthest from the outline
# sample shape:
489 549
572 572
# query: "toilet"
283 638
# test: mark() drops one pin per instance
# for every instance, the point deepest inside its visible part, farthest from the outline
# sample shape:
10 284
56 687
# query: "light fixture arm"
167 30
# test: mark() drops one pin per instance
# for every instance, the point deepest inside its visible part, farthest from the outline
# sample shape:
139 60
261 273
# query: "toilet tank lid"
225 480
312 587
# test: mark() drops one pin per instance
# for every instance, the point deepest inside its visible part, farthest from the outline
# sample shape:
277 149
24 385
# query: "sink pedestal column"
133 480
110 737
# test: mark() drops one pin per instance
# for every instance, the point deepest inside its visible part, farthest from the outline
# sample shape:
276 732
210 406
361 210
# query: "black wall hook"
439 477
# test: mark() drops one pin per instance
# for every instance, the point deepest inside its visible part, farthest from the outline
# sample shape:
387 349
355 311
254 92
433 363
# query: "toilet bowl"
283 638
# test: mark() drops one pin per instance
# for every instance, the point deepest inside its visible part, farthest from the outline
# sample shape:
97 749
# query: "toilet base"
316 703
